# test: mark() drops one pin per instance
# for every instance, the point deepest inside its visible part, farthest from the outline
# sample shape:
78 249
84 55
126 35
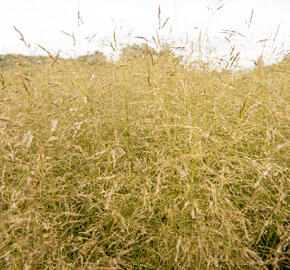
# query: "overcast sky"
42 22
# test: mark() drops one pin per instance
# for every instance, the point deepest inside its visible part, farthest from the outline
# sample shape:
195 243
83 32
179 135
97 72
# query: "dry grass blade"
243 109
165 23
276 34
90 38
80 19
262 40
140 37
72 36
21 37
115 40
112 46
232 32
251 18
54 58
156 43
151 56
220 7
159 17
234 59
2 80
24 84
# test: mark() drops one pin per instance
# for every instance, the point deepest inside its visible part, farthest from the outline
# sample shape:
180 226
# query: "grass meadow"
143 163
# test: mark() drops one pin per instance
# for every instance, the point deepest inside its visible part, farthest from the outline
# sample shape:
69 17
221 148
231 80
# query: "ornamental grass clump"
143 163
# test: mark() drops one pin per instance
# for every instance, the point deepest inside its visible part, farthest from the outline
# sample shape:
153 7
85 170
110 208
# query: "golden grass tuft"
143 164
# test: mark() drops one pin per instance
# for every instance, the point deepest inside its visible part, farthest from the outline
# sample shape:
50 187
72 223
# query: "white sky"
41 21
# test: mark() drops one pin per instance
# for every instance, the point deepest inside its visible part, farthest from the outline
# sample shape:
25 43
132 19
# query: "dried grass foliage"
143 164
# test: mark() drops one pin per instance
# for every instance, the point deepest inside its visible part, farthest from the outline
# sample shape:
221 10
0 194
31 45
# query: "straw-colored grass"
143 164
